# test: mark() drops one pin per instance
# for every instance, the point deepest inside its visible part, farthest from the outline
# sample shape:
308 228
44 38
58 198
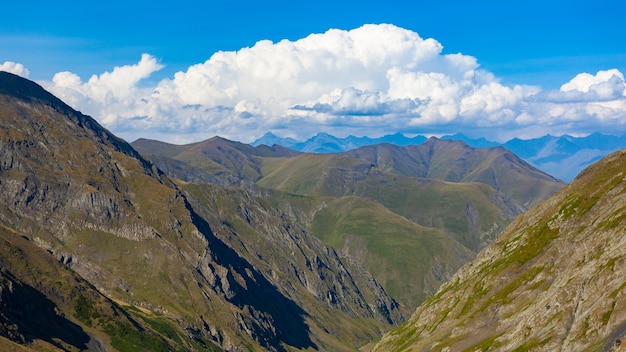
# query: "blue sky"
530 49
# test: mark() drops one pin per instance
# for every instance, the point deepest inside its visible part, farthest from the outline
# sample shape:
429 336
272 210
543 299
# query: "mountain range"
562 157
221 245
439 202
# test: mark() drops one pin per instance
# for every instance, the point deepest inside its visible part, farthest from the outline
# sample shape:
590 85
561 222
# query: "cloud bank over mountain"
372 80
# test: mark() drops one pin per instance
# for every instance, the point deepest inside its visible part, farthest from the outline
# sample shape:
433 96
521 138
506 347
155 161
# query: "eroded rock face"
254 252
554 280
56 174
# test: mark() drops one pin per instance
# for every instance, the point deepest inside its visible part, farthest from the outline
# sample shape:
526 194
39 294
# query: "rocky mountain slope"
553 280
438 203
199 265
46 306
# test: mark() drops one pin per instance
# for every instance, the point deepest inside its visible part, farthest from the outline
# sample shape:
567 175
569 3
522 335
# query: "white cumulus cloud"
14 68
373 80
111 96
584 82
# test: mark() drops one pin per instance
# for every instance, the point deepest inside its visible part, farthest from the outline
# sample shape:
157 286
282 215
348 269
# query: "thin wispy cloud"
373 80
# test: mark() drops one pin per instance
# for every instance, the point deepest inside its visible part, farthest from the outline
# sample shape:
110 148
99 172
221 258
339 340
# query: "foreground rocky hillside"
45 306
189 266
553 281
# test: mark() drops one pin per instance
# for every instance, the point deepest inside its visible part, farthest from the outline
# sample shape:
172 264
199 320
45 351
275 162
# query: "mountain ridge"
552 280
560 156
454 161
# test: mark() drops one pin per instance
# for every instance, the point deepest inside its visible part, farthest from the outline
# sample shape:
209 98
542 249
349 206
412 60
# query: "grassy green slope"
470 212
392 247
408 259
313 174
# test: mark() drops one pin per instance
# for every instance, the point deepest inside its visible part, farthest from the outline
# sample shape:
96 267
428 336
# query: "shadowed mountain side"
45 304
553 280
300 265
27 315
257 295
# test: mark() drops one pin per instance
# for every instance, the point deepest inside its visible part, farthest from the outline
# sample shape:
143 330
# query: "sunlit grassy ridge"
393 249
313 174
468 212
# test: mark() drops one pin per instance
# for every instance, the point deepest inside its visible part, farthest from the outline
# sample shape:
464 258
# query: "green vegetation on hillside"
551 281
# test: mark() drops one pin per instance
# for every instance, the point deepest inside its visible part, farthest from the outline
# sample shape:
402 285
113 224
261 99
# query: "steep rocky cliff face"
215 265
553 280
